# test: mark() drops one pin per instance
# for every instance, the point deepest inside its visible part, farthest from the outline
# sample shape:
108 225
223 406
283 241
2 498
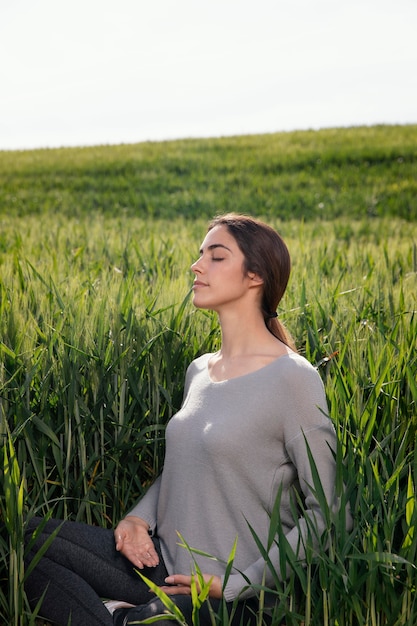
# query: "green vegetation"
96 332
358 172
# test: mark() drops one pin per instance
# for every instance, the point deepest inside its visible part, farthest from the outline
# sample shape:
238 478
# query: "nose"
195 267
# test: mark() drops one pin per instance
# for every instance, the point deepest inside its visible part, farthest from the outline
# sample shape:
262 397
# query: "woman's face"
220 280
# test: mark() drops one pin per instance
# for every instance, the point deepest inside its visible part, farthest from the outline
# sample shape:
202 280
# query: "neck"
243 334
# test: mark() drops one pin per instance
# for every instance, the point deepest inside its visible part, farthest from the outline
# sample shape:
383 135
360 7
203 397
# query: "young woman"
249 414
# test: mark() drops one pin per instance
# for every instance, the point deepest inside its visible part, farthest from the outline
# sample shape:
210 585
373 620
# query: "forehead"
219 235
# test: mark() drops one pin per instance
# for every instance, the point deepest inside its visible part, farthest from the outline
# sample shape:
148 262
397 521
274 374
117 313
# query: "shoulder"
295 366
199 364
303 401
300 381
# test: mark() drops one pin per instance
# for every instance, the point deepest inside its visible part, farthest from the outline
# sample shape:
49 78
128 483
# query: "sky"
94 72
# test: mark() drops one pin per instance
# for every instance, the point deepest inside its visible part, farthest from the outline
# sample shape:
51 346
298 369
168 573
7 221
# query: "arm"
320 442
304 426
133 533
147 506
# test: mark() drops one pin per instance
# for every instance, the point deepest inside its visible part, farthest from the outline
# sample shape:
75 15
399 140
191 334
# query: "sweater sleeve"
147 506
308 428
258 572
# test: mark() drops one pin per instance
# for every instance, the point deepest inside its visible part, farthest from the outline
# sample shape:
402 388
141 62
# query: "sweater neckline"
252 373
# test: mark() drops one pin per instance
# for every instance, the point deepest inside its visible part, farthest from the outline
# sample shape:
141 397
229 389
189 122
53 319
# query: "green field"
360 172
96 332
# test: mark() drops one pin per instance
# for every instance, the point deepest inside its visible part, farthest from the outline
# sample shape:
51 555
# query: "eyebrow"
214 246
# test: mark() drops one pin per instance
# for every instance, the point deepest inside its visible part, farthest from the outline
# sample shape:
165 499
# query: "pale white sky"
121 71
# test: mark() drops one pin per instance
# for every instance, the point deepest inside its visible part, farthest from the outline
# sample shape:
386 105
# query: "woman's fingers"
178 584
133 541
179 579
145 559
176 590
181 584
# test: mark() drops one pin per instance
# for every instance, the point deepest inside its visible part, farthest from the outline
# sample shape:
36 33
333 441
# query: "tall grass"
96 331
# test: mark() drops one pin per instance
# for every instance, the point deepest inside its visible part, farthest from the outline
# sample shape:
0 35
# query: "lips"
198 283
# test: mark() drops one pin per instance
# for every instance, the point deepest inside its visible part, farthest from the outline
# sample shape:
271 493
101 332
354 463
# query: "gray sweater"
229 449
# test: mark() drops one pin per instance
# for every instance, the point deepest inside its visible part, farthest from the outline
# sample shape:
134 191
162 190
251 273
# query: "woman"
249 413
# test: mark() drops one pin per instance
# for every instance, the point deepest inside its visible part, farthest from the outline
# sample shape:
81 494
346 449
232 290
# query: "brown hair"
266 254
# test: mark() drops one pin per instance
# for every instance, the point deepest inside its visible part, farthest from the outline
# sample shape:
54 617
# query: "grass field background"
96 332
359 172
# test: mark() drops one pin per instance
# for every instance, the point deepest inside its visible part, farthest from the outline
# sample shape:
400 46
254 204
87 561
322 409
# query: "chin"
201 305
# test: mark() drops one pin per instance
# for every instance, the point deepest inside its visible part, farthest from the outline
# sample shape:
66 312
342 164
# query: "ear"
255 279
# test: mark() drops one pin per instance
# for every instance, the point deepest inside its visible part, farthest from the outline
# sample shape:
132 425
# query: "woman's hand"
180 584
133 541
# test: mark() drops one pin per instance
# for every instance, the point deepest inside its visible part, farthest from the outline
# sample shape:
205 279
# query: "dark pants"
82 566
243 613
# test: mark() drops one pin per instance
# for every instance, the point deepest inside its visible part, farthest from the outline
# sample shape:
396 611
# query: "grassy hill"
97 330
360 172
